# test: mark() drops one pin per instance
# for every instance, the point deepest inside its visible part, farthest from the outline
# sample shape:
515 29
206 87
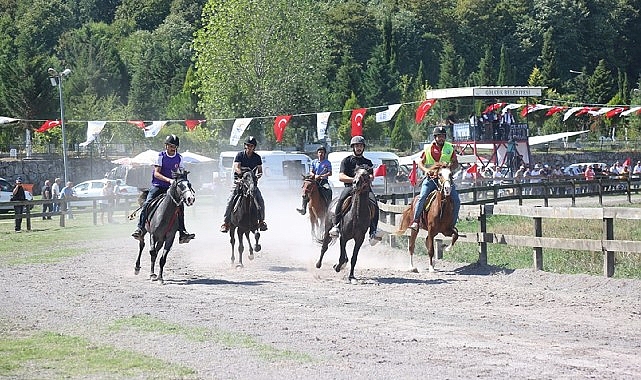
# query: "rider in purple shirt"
168 161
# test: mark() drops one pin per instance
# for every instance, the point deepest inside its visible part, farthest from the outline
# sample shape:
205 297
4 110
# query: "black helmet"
251 140
172 139
321 148
440 131
357 140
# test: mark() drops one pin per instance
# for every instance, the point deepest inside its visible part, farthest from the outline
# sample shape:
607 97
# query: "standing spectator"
67 194
55 193
46 194
18 195
106 203
507 119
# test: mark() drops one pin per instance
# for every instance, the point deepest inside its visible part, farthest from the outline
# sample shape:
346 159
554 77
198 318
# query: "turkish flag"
555 109
279 126
47 125
615 112
494 107
627 162
357 121
192 124
381 171
413 176
423 109
138 123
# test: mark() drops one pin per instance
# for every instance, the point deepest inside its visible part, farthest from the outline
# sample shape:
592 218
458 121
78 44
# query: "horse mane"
433 170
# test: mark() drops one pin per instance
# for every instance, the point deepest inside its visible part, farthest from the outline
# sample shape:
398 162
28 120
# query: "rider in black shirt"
346 175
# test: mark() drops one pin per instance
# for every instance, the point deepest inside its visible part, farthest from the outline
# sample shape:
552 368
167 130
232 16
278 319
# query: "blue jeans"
429 185
154 191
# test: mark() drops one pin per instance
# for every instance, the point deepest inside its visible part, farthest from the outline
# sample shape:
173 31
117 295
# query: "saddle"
347 205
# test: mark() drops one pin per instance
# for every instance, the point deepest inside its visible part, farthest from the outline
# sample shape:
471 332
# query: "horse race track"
281 318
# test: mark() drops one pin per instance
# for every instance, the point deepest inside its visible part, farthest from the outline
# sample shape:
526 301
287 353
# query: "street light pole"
56 80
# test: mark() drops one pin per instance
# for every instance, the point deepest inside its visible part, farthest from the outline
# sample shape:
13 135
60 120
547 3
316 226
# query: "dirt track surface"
463 321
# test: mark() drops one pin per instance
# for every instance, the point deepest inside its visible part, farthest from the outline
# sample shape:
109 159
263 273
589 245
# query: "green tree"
344 133
258 58
601 84
506 75
549 70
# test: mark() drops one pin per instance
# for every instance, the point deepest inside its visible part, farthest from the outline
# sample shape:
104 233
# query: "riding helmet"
172 139
440 131
251 140
357 140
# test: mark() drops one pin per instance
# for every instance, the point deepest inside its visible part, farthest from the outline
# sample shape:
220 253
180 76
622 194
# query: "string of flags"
152 128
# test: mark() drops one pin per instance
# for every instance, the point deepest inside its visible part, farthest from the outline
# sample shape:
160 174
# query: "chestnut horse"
318 200
358 212
437 217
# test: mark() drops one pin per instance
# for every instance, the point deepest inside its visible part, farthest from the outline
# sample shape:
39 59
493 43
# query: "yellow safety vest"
446 154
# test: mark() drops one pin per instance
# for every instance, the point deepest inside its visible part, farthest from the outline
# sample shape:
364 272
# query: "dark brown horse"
318 200
358 212
244 217
437 217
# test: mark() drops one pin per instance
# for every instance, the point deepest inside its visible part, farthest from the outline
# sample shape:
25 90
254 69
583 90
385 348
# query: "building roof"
485 92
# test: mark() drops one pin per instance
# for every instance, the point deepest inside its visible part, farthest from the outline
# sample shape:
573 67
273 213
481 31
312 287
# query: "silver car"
6 189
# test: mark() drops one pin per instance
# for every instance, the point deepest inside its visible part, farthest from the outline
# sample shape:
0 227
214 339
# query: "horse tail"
406 220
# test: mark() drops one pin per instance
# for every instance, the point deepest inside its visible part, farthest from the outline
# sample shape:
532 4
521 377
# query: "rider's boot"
375 237
185 237
138 234
262 225
303 208
414 225
224 228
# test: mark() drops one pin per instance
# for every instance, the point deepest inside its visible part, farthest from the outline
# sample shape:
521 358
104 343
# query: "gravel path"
281 318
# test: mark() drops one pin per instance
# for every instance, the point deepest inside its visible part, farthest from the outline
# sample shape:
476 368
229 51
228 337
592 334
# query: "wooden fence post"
538 251
483 230
608 256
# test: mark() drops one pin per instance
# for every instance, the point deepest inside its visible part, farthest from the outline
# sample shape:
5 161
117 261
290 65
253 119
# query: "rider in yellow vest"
438 151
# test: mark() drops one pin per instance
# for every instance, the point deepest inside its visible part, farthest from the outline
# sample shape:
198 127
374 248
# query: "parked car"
93 188
6 189
579 168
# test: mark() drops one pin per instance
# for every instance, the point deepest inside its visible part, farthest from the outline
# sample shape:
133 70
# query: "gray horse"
162 221
244 217
358 212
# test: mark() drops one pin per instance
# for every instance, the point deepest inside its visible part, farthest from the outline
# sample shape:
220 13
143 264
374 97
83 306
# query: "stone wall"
36 171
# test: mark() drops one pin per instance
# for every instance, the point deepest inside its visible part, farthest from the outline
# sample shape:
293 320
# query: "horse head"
181 188
248 181
443 174
309 185
362 179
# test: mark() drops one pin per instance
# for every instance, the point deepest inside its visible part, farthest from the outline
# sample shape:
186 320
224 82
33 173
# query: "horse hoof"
239 266
137 271
413 270
353 281
318 265
153 277
431 269
339 267
251 256
257 248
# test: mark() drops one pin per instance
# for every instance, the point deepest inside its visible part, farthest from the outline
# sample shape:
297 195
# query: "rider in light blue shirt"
321 169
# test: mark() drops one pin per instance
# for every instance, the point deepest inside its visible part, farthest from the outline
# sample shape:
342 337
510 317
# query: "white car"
93 188
6 189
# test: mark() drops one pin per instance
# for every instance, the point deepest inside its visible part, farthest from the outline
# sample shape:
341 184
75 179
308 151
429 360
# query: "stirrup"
334 232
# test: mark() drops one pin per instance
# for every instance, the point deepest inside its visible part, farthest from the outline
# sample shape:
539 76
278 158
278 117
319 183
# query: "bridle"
183 190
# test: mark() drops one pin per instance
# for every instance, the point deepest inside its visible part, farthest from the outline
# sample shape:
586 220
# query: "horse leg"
429 243
326 240
141 247
153 252
342 260
454 235
232 241
257 246
410 247
163 260
250 246
357 246
241 248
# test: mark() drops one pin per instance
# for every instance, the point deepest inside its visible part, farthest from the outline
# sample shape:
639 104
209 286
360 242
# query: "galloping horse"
357 215
437 217
317 204
244 216
162 221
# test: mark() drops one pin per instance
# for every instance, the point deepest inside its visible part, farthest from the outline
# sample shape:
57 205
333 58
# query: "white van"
388 158
283 169
225 165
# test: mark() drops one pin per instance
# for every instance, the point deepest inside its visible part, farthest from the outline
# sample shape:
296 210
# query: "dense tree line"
223 59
